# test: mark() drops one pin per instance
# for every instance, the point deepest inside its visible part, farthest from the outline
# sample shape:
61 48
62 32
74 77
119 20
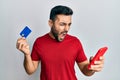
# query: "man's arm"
83 67
98 65
29 65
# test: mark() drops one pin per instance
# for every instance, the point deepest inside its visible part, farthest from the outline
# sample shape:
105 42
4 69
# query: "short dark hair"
60 10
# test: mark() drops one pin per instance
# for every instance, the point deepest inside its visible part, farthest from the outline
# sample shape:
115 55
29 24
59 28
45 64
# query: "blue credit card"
25 32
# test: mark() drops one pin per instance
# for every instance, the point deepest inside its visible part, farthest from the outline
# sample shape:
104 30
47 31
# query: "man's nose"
67 28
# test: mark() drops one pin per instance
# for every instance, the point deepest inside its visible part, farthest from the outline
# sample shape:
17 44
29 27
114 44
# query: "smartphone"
100 52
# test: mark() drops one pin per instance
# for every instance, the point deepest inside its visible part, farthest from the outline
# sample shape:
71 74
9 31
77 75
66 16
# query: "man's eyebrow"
63 23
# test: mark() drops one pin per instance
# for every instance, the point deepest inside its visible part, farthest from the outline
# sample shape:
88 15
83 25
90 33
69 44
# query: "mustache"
64 32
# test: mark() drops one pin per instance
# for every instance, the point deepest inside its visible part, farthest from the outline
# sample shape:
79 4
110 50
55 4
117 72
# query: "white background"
95 22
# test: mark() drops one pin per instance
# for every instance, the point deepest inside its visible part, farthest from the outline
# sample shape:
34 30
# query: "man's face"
61 26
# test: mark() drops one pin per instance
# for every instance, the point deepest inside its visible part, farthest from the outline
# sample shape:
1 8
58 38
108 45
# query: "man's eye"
70 24
62 24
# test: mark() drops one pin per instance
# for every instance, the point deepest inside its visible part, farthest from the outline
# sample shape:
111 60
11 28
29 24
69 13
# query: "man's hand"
23 46
98 65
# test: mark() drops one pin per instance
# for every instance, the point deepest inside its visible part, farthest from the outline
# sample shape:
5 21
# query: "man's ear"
50 22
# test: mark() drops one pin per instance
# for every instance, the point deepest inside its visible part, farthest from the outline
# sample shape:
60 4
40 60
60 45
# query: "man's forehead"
64 18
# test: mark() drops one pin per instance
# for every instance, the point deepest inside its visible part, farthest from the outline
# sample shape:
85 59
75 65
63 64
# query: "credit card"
25 32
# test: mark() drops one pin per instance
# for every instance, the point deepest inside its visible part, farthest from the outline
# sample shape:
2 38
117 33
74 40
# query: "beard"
56 34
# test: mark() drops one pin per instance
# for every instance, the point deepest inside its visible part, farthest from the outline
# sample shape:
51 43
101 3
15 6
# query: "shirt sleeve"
80 54
34 54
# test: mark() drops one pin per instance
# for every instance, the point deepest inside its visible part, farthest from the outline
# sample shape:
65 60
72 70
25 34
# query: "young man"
57 51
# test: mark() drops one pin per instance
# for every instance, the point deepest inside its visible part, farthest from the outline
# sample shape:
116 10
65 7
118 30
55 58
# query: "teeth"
64 33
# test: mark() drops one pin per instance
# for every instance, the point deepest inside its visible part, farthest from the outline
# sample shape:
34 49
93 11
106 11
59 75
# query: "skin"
59 29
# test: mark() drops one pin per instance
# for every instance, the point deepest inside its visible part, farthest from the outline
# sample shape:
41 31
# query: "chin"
60 40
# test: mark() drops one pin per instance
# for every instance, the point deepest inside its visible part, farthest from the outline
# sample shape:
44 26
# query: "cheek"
59 29
55 30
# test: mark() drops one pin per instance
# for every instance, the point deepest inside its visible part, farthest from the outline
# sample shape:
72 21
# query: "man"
57 51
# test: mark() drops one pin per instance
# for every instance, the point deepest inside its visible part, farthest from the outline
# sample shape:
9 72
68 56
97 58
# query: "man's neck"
51 35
